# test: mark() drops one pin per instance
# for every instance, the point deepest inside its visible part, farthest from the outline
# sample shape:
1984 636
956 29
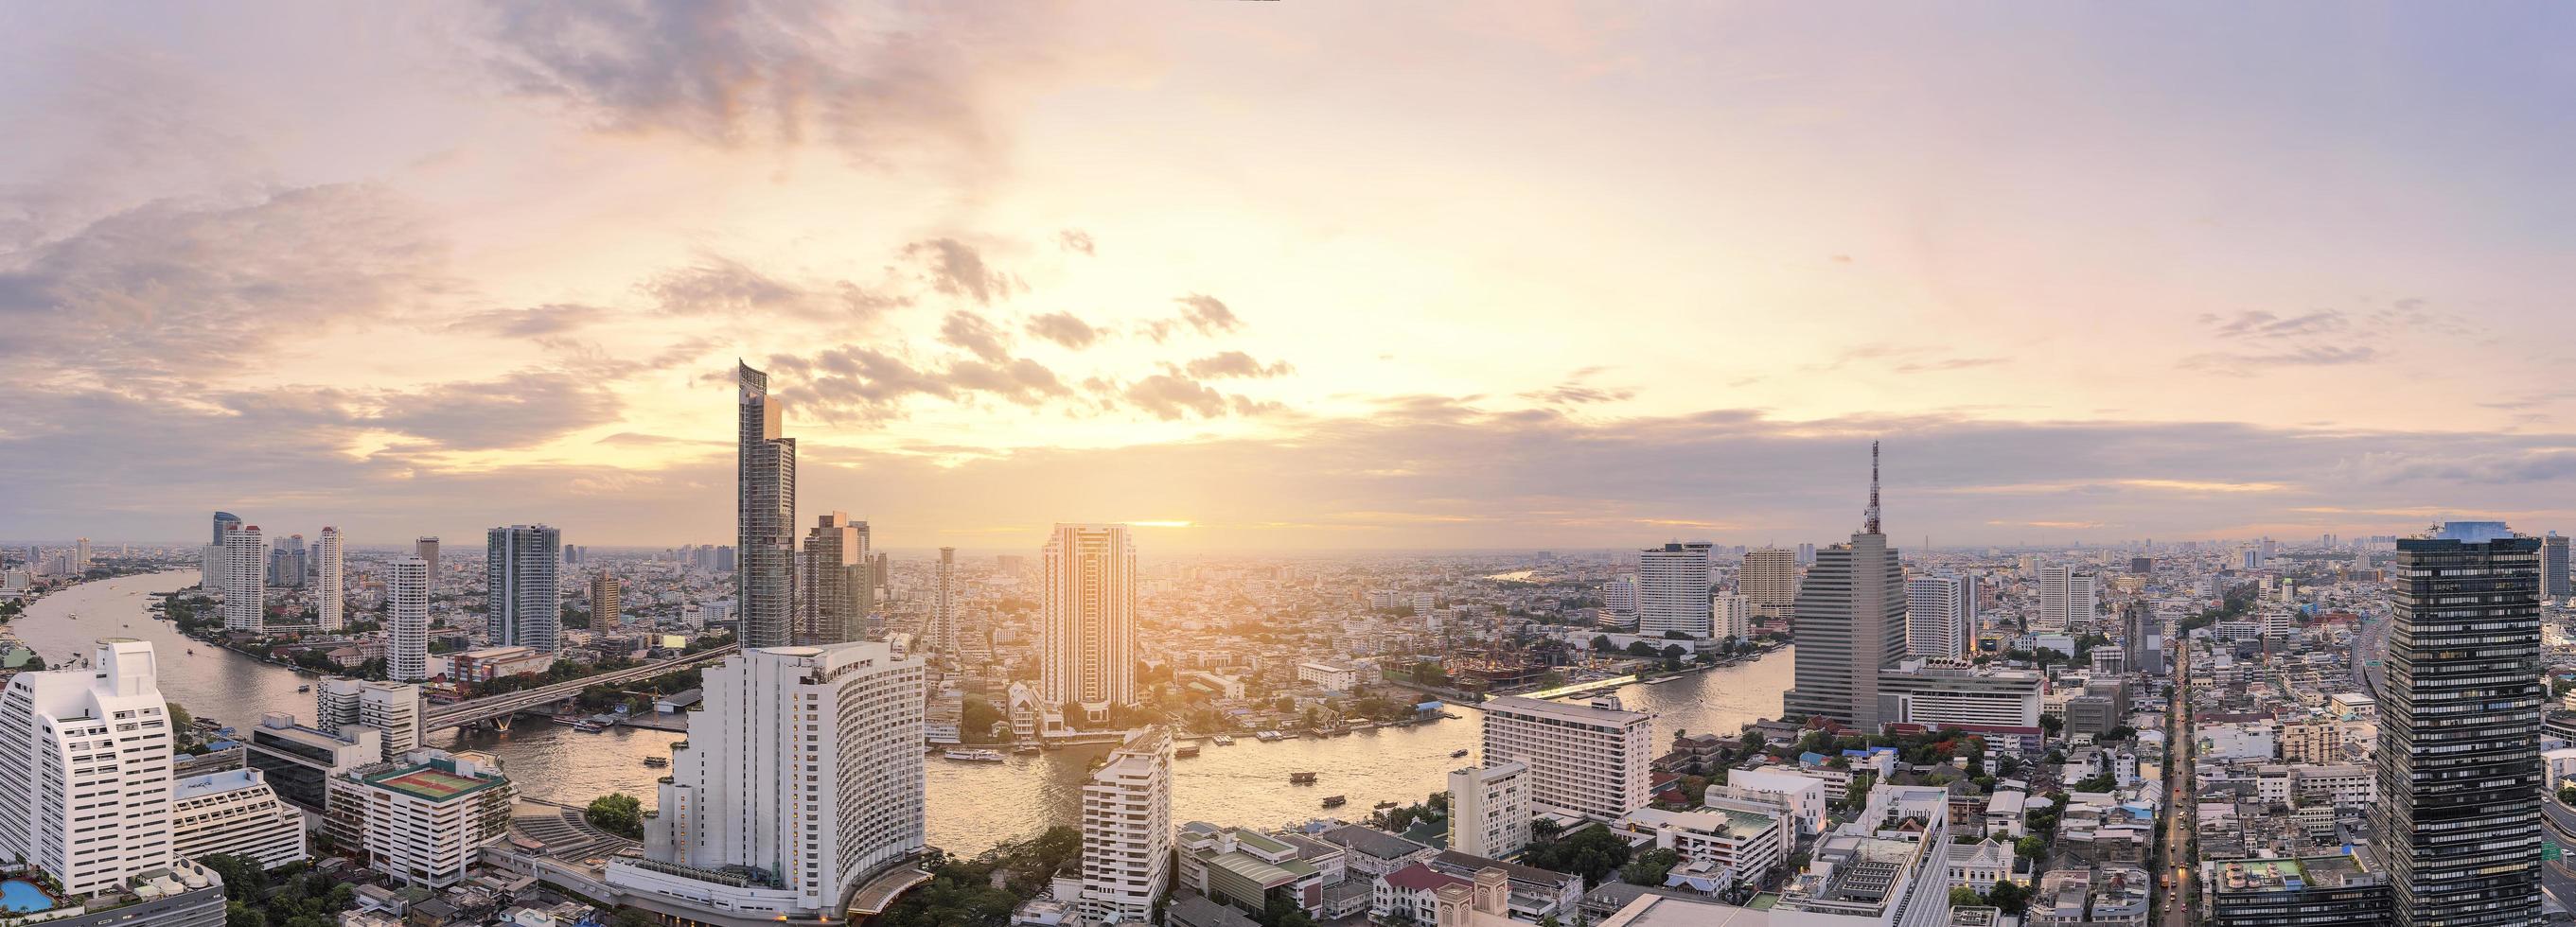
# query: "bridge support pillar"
502 723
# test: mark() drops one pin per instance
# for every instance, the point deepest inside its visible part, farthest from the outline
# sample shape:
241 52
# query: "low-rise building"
1409 895
425 817
1239 867
2320 891
234 812
2108 896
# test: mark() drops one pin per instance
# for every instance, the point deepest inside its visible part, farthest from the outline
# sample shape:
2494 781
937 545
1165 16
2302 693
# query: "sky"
1289 276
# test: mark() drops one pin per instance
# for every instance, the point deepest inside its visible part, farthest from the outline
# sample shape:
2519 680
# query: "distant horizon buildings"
1087 619
1850 624
522 576
2459 771
765 510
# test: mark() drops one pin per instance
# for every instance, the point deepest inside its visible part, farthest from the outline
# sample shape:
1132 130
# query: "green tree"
180 720
1649 867
617 813
976 725
1592 852
2029 847
2009 897
1965 897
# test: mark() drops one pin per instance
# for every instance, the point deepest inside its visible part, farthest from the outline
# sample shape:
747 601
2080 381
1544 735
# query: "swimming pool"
22 895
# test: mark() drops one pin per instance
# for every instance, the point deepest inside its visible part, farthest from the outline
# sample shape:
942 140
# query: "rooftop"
430 783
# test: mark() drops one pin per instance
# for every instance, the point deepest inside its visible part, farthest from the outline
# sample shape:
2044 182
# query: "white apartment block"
86 754
1729 839
234 812
1935 693
391 708
1732 614
407 619
1332 677
1584 760
1673 590
1938 615
1127 831
427 817
1489 809
804 762
245 579
2066 599
1804 796
328 594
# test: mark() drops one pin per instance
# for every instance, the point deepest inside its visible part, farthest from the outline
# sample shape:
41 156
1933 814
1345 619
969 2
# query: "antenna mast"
1869 519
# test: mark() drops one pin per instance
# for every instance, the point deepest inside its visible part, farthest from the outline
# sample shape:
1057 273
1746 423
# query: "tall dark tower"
765 578
2459 731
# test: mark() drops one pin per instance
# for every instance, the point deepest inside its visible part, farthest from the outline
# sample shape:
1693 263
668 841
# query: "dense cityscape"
2250 733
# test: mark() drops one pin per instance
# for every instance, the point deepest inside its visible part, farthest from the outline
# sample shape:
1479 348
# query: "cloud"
1577 394
532 322
955 268
1208 315
1074 240
520 409
1170 397
1023 381
1235 364
975 334
1064 328
1955 363
719 285
881 84
172 291
2259 324
2243 364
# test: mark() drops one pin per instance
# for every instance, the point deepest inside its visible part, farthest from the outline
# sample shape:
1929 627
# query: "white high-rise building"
1732 614
1087 632
245 579
86 753
407 620
1489 810
1584 760
425 818
327 594
1619 601
391 708
805 763
1770 578
1937 622
234 812
1127 830
1673 590
80 555
2066 598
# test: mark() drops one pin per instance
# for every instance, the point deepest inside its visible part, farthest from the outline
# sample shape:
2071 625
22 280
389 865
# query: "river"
971 805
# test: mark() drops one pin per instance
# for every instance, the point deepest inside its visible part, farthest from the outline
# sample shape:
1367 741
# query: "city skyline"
2084 307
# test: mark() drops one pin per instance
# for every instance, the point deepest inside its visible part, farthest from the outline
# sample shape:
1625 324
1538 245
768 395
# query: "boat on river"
1301 778
1334 801
1221 740
972 756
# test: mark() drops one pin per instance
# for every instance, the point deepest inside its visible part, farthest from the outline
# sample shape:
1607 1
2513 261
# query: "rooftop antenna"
1869 519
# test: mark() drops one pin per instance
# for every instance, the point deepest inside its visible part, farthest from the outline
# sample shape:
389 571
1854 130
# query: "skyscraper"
245 579
765 502
830 574
87 753
1937 610
1850 624
805 764
1770 579
2067 599
426 548
605 593
225 522
80 555
327 594
1087 628
943 602
1673 590
522 599
407 619
2459 731
1127 830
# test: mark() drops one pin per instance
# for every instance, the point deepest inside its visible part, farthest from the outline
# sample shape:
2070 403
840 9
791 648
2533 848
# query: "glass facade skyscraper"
522 586
765 497
2459 731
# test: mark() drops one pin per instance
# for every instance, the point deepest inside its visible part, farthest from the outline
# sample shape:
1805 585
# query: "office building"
765 510
87 754
245 580
1938 616
522 604
1673 590
1769 577
407 582
392 709
605 608
234 812
1087 626
286 563
943 631
1850 624
2553 567
1949 693
1489 809
1583 760
2342 890
299 762
424 819
329 596
831 575
804 764
426 548
1127 830
2459 729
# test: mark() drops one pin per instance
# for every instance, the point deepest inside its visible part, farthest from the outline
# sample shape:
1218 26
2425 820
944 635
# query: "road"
506 704
2182 801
